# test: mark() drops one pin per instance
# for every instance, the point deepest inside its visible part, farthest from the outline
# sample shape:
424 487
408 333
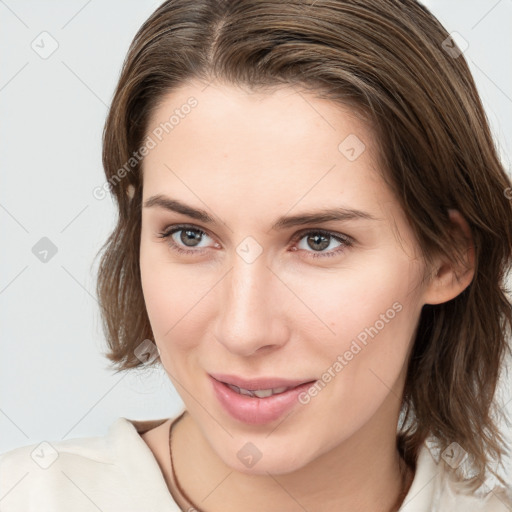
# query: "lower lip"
257 411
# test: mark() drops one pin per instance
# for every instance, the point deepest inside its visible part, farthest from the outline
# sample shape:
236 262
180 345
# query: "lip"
258 383
254 410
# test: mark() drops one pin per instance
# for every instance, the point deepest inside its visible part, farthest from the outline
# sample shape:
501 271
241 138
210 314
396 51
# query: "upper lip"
258 382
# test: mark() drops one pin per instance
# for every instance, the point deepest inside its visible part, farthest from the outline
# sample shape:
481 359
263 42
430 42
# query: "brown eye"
318 241
189 236
186 236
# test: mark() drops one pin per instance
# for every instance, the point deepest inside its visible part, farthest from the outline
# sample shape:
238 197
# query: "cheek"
369 291
161 288
176 298
368 370
371 314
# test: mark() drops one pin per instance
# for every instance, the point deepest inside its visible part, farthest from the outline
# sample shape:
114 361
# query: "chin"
249 457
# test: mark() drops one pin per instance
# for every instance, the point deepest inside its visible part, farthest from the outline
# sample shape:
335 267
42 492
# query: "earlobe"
449 280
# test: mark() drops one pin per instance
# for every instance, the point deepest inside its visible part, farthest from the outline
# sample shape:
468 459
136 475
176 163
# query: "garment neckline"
419 496
138 463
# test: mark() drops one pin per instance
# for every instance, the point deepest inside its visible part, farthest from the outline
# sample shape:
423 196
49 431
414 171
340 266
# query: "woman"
314 229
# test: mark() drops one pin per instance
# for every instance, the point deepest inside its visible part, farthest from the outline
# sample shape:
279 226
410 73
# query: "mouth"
258 405
275 384
258 393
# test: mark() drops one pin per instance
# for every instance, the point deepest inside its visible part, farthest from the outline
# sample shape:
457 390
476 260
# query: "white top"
119 473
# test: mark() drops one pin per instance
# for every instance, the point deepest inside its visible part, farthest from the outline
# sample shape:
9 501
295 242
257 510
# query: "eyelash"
344 239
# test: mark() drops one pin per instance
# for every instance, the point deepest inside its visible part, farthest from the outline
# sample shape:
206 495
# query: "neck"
362 473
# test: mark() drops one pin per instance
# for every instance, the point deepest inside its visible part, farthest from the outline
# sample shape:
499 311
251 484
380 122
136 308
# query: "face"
233 292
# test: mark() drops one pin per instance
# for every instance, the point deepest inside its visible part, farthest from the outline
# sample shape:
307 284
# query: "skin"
247 159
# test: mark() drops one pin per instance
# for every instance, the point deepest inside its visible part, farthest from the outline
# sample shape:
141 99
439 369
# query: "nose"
252 309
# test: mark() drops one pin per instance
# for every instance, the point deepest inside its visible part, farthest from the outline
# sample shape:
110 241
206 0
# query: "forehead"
284 147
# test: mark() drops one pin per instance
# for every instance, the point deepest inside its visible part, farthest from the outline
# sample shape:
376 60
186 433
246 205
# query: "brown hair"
390 60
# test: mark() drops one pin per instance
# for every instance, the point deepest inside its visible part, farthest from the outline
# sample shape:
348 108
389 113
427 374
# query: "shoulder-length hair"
394 63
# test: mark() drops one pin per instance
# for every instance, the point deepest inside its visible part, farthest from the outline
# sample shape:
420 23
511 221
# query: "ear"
449 281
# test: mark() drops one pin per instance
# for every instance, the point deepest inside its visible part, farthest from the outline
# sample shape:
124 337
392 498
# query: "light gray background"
54 382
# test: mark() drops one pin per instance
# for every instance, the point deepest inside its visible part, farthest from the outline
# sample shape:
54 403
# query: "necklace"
175 478
406 476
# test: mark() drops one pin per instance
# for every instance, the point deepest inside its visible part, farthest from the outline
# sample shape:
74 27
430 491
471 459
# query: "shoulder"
112 472
434 488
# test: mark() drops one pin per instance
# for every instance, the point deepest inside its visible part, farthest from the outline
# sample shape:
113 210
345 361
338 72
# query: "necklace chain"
175 478
396 507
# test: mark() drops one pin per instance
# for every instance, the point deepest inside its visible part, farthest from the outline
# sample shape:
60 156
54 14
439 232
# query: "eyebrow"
283 222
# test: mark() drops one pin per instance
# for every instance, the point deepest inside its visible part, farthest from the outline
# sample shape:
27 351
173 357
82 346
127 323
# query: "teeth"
260 393
263 393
